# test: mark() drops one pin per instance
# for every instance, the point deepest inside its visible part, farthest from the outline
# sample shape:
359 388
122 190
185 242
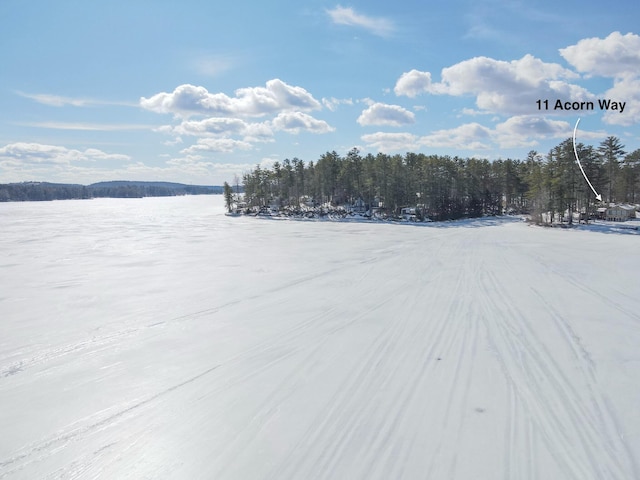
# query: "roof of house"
626 208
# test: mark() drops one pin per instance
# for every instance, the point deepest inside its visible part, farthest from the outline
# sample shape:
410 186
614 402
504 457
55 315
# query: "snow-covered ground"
157 338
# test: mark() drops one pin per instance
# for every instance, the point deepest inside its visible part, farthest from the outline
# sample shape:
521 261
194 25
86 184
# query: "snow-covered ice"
157 338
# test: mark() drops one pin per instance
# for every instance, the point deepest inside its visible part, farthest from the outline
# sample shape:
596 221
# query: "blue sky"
198 91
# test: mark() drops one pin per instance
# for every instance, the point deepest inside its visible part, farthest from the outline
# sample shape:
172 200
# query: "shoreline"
630 227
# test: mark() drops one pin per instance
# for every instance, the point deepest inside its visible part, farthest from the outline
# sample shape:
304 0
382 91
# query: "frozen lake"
157 338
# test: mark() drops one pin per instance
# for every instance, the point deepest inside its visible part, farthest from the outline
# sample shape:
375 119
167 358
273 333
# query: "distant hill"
42 191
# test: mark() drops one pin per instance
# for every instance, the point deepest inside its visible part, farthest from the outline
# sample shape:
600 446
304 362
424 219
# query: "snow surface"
157 338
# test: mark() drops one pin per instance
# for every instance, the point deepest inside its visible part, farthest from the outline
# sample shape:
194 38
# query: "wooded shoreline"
447 188
45 191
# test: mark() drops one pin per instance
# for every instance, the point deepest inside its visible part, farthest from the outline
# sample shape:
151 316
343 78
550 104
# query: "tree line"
444 187
42 191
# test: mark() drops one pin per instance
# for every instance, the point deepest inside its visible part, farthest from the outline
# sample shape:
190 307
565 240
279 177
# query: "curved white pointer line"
575 151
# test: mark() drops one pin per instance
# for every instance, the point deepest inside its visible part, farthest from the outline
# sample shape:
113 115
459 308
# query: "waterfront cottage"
620 213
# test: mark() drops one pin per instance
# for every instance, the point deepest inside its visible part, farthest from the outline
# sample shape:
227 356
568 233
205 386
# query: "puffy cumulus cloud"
37 153
187 100
614 56
277 96
525 125
290 122
484 74
383 114
220 127
348 16
525 130
504 87
392 142
294 122
626 90
226 126
509 87
413 83
517 131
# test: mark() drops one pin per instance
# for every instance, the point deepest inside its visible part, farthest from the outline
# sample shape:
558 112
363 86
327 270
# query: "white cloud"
517 131
37 153
174 142
348 16
220 127
503 87
226 128
614 56
483 73
525 125
221 145
392 142
56 100
294 122
624 90
413 83
509 87
524 130
333 103
275 97
470 136
267 163
62 101
383 114
95 154
472 112
224 134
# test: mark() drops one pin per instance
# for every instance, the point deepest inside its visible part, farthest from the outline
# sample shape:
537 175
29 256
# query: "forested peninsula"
434 187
